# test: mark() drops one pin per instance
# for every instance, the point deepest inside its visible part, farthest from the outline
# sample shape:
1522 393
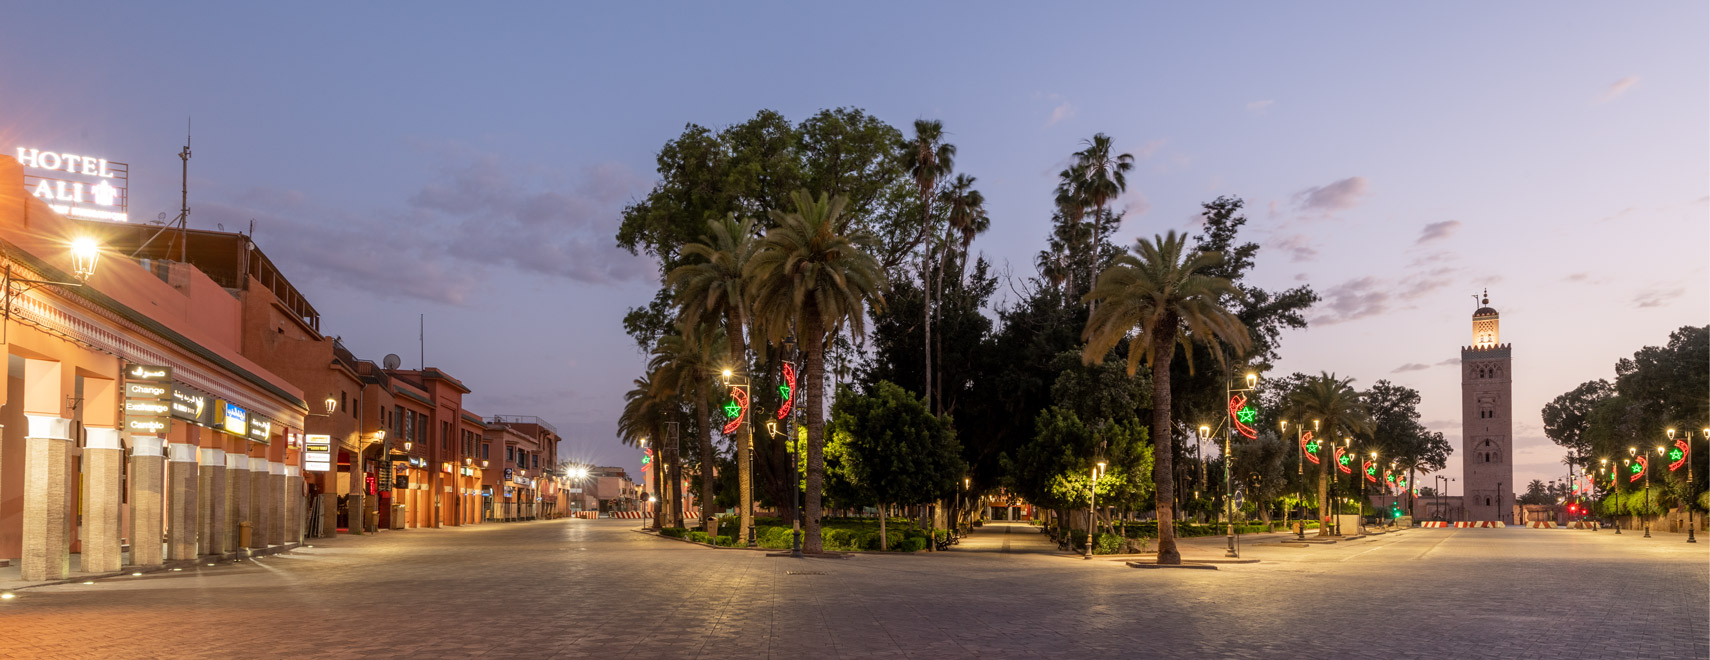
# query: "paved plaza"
581 588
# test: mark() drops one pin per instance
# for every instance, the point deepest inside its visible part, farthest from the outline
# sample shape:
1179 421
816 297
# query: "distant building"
1487 420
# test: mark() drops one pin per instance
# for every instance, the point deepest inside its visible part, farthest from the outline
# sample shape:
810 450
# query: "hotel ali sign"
77 186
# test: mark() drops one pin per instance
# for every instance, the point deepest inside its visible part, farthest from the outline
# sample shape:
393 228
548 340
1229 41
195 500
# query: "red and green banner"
1371 471
787 391
1682 450
1637 469
1242 416
736 409
1309 447
1344 460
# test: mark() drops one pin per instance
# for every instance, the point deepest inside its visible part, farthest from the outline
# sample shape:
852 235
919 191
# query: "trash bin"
397 518
244 534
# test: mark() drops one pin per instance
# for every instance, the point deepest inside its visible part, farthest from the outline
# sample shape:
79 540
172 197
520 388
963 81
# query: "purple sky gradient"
468 163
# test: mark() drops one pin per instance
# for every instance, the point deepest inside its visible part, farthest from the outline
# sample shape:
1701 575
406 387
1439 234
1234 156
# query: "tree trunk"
676 488
658 475
938 383
884 541
813 338
1163 338
926 319
708 519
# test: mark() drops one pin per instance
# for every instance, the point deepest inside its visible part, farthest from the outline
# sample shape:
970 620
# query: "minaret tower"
1487 419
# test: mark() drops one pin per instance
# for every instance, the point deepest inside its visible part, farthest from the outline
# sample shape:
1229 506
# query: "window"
444 433
343 404
484 447
510 454
537 460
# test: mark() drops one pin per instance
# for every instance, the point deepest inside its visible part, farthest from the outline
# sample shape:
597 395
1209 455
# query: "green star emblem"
731 410
1247 415
1634 468
1312 447
1371 471
784 392
1674 454
1344 459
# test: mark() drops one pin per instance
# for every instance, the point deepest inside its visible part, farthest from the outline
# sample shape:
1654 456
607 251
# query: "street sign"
317 453
148 400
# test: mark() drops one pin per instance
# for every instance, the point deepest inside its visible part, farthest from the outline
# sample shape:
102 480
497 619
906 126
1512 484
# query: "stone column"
213 517
258 502
103 465
148 468
181 502
277 511
237 500
354 506
47 506
294 504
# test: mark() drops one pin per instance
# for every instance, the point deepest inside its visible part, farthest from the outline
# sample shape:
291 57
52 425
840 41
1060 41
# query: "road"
579 588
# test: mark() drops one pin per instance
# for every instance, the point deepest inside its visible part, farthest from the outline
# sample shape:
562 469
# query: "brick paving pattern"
597 589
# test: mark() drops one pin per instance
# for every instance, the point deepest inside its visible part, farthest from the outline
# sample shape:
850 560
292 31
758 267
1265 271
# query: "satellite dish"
391 361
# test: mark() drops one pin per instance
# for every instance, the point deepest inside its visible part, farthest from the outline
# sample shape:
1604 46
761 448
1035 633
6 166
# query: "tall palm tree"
1103 177
965 216
809 277
686 361
642 421
1340 411
711 282
928 159
1072 205
1162 294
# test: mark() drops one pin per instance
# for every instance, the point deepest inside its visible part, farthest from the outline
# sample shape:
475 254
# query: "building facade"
135 429
1487 420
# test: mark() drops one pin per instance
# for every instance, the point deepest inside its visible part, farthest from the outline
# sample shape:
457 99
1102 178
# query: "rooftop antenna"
184 196
182 222
421 340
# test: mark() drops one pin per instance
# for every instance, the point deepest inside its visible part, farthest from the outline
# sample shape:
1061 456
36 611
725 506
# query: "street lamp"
795 520
85 253
1092 507
1252 381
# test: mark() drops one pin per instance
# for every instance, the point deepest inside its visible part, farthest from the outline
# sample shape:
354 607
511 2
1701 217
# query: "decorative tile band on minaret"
1487 419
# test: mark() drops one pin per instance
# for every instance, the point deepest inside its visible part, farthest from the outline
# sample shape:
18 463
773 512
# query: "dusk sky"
469 162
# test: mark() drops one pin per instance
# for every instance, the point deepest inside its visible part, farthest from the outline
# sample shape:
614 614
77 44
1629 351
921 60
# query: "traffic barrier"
1583 524
1542 524
1434 523
625 514
1480 523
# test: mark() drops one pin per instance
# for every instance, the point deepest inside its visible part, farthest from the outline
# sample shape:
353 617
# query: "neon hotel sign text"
72 197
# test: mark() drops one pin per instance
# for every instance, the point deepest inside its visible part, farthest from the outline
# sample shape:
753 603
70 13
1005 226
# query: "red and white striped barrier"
1583 524
1542 524
1434 523
1480 523
626 514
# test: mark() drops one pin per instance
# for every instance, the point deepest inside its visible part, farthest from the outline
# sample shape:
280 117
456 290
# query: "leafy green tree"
900 453
1162 293
1567 416
809 279
710 281
1339 412
1397 433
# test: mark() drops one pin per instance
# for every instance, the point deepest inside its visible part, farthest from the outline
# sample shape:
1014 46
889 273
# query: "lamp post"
1092 507
745 436
1299 478
1691 529
1229 458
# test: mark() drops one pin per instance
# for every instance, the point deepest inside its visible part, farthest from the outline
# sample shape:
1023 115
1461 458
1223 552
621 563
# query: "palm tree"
928 159
1340 411
966 216
1072 205
685 362
809 277
644 409
1162 294
711 282
1102 178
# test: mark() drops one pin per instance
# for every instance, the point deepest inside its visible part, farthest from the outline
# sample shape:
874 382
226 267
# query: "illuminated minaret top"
1486 325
